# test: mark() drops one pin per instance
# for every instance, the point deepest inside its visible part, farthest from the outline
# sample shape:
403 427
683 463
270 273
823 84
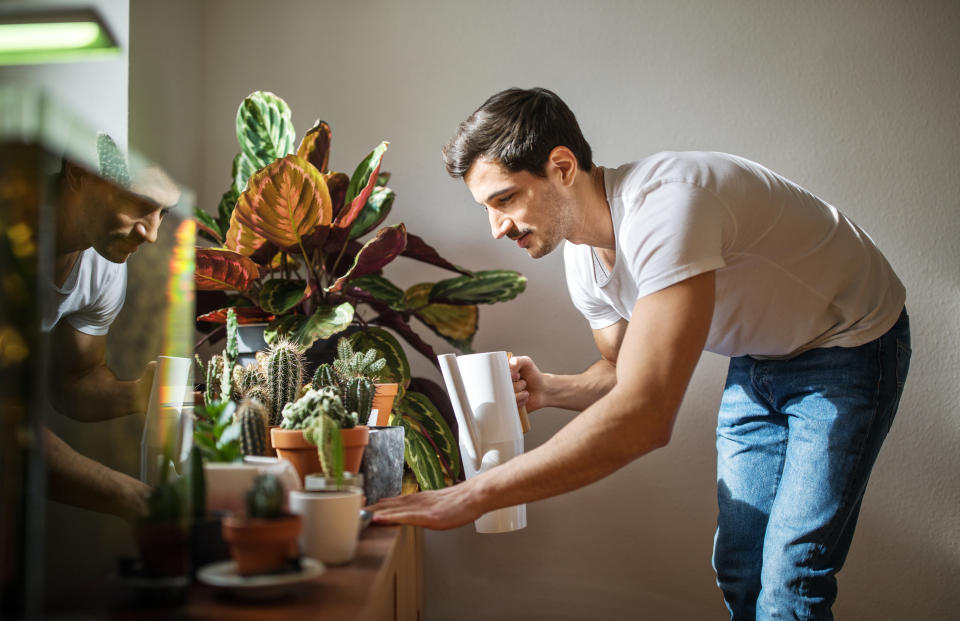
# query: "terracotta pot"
271 449
355 440
293 447
383 402
260 546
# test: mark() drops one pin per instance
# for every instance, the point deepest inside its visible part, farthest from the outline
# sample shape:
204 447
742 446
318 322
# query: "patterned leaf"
315 146
419 455
361 186
374 212
218 269
245 315
421 251
381 289
417 406
243 169
486 287
284 202
337 183
399 324
457 324
280 295
283 326
264 129
324 323
398 368
207 224
379 251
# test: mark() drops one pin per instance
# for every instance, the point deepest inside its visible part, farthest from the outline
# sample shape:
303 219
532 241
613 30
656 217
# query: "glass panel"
96 276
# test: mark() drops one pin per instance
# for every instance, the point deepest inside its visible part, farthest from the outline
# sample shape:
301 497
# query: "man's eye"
506 199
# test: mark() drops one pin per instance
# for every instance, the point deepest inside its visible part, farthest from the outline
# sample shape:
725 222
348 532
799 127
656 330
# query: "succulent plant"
350 364
214 374
252 416
324 432
358 397
265 498
244 379
325 375
284 377
326 401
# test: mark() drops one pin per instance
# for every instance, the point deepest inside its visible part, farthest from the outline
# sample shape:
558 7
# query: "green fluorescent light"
51 37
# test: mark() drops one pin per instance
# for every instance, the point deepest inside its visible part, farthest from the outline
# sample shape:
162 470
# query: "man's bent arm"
83 387
578 392
658 355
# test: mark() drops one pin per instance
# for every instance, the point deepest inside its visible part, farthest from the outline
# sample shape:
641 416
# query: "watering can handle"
524 419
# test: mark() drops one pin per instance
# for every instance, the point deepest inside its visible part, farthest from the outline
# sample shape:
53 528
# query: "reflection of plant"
265 498
216 433
288 232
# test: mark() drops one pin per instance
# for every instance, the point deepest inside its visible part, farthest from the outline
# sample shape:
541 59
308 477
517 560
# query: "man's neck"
594 223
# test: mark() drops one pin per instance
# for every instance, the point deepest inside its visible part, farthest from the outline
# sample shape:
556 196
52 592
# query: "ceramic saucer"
265 586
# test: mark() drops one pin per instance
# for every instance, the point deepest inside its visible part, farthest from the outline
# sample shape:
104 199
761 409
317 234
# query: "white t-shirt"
792 273
91 296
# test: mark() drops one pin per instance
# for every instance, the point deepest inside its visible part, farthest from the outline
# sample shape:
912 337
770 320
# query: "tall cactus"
230 354
214 383
253 427
245 378
325 376
284 376
358 398
324 432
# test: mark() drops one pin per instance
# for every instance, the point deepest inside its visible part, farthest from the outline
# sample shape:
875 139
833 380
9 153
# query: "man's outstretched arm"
660 349
83 387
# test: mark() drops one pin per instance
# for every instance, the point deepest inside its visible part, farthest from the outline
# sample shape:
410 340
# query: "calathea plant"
288 248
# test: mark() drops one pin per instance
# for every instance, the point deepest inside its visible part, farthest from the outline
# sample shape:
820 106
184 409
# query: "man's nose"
498 224
148 227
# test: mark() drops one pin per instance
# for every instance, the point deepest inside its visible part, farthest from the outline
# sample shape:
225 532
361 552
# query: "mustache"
515 234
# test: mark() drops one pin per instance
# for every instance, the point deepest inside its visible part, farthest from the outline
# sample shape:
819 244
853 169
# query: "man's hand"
528 383
145 385
438 510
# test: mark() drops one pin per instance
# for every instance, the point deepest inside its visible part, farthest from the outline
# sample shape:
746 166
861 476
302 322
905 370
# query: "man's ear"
563 163
74 174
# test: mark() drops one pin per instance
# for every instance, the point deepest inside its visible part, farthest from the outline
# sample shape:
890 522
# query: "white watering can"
481 392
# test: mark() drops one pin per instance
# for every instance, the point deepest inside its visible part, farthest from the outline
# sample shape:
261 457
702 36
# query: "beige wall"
854 100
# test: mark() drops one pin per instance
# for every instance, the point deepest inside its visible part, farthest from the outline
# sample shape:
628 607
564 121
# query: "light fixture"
54 36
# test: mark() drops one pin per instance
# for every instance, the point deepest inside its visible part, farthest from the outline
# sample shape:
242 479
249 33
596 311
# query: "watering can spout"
461 407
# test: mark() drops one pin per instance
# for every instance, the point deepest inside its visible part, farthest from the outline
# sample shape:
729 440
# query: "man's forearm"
578 392
97 396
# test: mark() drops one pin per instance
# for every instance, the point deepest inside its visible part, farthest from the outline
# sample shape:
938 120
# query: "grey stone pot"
382 465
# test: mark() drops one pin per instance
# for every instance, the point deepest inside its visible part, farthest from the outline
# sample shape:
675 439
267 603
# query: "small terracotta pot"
271 449
293 447
355 440
260 546
383 402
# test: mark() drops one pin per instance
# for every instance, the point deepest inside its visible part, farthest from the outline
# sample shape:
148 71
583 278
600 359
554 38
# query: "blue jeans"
796 440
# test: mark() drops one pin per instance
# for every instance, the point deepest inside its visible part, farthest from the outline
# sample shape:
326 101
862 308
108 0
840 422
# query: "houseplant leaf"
283 326
337 183
381 289
455 323
379 251
419 454
279 295
245 315
223 270
419 408
361 186
208 225
324 323
485 287
264 129
422 251
315 145
283 202
399 323
243 169
397 369
374 212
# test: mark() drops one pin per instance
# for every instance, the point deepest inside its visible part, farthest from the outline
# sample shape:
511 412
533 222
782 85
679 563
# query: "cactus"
284 376
265 498
261 393
358 398
245 378
324 432
325 376
214 384
350 364
230 354
252 416
300 414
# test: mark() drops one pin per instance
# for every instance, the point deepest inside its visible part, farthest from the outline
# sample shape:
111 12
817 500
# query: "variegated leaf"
376 253
219 269
264 129
279 295
315 146
374 212
457 324
324 323
485 287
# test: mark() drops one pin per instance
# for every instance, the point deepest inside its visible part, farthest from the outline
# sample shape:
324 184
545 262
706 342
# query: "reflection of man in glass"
98 227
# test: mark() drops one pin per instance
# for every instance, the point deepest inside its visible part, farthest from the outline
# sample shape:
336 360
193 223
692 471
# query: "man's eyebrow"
165 211
501 192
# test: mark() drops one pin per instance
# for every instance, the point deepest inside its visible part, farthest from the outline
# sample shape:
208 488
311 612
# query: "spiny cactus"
284 376
252 416
261 393
213 378
350 364
230 354
300 414
265 498
324 432
325 376
358 397
245 378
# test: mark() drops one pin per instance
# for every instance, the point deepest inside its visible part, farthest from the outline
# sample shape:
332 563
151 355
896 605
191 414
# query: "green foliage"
325 375
350 364
265 498
214 381
358 397
244 380
326 401
284 377
216 433
430 448
324 432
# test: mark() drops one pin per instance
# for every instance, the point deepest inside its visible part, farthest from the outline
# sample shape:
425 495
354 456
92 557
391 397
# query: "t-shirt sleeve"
109 295
598 312
674 234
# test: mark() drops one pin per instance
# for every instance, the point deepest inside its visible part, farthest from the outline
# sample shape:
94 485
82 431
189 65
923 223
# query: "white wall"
854 100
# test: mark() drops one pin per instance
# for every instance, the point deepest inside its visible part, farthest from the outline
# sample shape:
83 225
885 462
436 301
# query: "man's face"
522 206
118 221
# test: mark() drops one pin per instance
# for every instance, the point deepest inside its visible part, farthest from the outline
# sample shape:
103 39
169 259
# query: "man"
666 257
98 227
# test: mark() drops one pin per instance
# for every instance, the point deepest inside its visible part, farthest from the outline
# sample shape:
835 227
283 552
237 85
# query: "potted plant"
265 540
287 248
350 365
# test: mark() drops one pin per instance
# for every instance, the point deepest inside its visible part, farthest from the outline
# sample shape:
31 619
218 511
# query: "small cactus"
214 379
245 378
261 393
284 376
324 432
300 414
325 376
350 364
358 397
265 498
230 354
252 416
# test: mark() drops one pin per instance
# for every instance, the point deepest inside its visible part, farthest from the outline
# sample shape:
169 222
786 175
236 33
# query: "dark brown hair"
517 128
